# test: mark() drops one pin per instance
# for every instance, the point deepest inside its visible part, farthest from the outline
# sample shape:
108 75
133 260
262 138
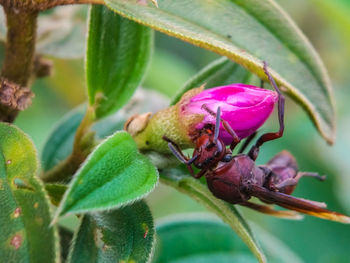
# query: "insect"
236 178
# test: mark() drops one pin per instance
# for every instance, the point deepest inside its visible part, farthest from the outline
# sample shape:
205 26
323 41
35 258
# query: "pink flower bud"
244 107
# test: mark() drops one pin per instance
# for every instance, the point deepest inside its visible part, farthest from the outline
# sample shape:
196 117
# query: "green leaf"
60 142
205 239
247 32
199 237
218 73
25 215
55 192
227 212
59 145
114 174
118 52
122 235
276 250
66 237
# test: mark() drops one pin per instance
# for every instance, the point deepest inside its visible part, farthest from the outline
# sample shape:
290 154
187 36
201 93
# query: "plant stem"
84 142
41 5
19 56
54 3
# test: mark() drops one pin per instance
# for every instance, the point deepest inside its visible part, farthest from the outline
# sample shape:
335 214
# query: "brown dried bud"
42 67
14 96
137 123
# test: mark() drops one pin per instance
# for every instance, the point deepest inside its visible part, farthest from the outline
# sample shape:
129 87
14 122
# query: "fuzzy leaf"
227 212
114 174
122 235
25 215
218 73
118 52
247 32
60 142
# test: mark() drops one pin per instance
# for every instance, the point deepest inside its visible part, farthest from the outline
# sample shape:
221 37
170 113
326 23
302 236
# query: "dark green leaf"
199 237
247 31
25 215
60 143
219 258
66 237
114 174
276 250
122 235
55 192
118 53
228 213
204 239
218 73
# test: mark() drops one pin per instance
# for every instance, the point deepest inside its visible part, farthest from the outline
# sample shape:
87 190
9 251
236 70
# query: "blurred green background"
327 24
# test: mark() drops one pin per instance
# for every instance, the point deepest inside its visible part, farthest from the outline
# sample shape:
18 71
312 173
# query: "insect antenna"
217 125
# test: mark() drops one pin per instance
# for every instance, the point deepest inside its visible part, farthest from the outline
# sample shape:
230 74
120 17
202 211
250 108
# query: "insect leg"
285 183
199 174
294 181
226 126
270 211
310 174
246 142
175 149
254 151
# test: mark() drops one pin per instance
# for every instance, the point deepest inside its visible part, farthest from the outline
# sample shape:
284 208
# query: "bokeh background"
325 22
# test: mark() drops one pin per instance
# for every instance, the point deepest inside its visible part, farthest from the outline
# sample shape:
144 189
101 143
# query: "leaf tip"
58 213
54 220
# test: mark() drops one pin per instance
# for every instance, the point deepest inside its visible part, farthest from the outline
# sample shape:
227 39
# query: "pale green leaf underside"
25 215
248 32
122 235
114 174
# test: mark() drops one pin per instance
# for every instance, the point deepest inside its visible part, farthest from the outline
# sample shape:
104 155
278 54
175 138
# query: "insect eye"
209 146
227 158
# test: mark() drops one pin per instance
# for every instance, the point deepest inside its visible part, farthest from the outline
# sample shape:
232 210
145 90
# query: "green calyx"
148 130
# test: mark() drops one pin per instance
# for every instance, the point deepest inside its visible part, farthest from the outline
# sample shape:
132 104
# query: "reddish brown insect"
236 178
